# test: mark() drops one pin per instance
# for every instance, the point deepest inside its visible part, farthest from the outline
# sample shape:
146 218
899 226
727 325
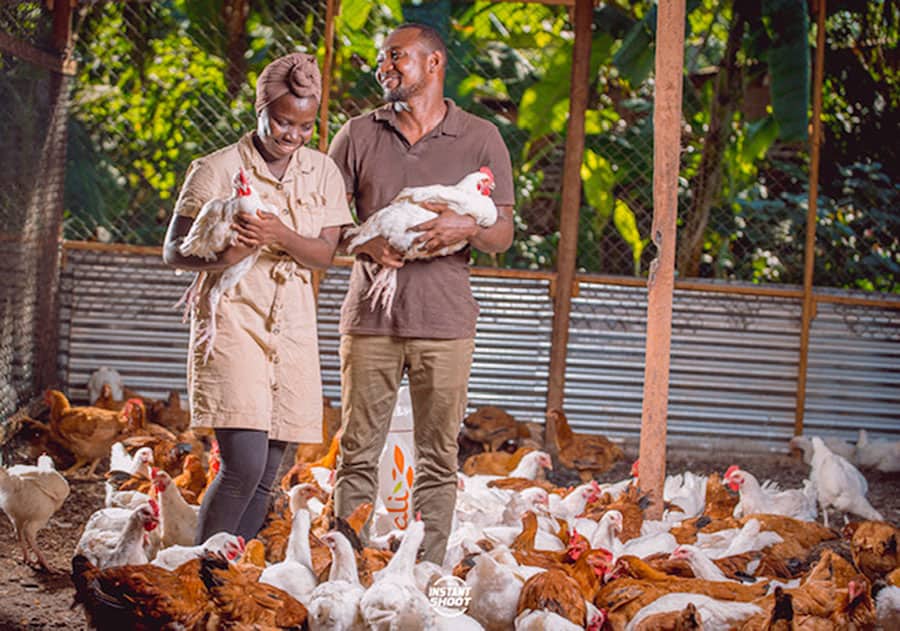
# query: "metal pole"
331 11
660 285
571 203
809 256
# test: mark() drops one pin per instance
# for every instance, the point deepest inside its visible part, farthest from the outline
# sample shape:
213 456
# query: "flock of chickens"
729 553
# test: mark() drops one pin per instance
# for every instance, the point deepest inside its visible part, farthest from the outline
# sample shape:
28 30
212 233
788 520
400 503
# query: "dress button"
285 211
276 359
275 387
276 331
279 186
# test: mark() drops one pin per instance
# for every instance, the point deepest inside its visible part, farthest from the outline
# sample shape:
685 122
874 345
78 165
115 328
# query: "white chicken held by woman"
210 234
470 196
29 496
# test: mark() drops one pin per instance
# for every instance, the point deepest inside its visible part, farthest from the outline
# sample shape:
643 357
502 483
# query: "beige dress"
264 369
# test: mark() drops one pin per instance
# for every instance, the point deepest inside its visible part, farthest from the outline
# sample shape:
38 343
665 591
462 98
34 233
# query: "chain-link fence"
33 123
164 82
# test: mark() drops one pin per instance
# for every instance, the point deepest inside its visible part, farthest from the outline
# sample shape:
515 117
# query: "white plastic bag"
396 468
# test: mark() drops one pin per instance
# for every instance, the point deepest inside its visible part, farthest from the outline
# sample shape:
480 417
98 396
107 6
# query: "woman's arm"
268 229
178 230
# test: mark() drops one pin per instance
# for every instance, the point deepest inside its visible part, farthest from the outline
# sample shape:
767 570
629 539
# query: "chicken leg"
71 471
30 538
383 288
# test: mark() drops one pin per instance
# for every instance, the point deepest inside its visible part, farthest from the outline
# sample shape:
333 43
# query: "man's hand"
258 230
448 228
380 251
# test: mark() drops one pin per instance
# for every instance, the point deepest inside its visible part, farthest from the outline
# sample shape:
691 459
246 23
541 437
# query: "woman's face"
291 121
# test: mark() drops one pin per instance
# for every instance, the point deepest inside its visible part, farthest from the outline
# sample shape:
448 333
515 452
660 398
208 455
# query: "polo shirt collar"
449 126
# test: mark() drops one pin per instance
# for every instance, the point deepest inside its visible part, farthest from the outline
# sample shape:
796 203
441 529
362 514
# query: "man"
418 138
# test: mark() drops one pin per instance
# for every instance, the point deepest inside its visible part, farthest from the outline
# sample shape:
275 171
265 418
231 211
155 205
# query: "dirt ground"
33 600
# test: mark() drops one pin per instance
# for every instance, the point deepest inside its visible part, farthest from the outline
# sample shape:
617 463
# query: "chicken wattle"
470 196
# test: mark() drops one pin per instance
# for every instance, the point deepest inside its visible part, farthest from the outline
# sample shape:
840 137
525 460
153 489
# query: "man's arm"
449 228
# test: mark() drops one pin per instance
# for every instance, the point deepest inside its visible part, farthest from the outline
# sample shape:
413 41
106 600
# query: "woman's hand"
255 231
448 228
235 254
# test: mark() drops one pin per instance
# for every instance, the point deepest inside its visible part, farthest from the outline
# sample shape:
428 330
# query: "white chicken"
883 455
768 498
393 595
178 519
334 604
104 376
228 545
470 196
29 495
294 574
712 613
839 484
210 234
110 548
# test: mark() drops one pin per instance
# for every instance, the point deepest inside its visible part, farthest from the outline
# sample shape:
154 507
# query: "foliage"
857 237
151 95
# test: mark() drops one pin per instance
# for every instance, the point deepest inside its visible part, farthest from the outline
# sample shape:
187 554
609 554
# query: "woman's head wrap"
297 74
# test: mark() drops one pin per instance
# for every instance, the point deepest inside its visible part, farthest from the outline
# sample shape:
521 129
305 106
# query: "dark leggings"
237 499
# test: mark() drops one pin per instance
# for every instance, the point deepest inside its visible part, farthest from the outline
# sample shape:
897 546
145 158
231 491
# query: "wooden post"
331 11
809 255
571 204
666 162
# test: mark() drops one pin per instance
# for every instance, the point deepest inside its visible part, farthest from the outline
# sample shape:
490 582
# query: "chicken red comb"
241 543
487 171
242 176
153 506
635 468
731 470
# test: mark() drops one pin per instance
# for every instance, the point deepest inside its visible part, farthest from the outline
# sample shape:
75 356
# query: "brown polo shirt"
434 298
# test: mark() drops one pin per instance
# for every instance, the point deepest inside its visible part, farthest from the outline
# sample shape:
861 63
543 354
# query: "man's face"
402 66
291 124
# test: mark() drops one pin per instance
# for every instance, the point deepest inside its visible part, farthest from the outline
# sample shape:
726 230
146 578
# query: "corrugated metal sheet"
733 369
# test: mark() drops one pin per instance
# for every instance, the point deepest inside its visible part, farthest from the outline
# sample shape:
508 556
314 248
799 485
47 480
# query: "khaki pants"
371 370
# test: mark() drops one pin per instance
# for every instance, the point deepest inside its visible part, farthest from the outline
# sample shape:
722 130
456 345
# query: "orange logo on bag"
397 502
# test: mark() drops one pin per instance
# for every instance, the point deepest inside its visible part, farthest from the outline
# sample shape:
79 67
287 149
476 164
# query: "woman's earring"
263 128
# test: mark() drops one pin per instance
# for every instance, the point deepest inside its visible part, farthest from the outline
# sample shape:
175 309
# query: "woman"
261 387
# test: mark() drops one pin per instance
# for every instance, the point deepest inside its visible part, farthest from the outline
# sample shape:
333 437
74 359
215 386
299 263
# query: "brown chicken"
831 568
630 503
138 596
494 462
874 547
105 401
491 427
88 432
720 500
800 537
525 553
242 602
589 454
169 413
213 464
192 479
554 591
636 584
778 614
331 422
520 484
168 455
688 619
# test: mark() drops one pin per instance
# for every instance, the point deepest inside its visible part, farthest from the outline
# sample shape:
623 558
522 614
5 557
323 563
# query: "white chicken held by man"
29 495
210 234
395 222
